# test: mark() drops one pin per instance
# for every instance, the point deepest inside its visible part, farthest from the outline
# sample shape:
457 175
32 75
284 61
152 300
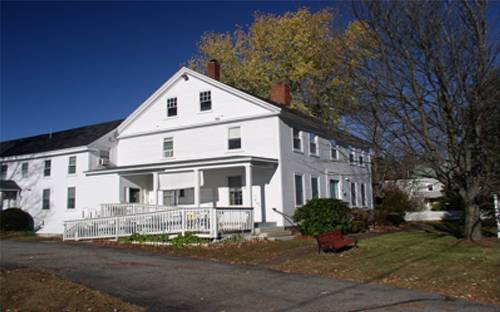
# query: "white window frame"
48 200
354 202
4 171
203 99
339 189
362 193
318 186
361 159
74 197
235 189
229 138
169 153
295 174
45 168
314 142
25 169
335 147
352 157
301 140
172 103
70 165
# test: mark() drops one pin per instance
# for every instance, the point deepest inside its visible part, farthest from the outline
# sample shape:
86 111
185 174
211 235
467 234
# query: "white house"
195 143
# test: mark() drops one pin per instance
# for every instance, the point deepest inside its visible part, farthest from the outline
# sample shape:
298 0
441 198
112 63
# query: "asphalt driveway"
164 283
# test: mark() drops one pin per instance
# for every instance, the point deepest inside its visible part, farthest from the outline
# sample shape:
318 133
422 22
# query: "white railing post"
116 228
214 224
183 221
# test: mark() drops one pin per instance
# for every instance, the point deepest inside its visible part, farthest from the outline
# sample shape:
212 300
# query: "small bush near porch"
424 260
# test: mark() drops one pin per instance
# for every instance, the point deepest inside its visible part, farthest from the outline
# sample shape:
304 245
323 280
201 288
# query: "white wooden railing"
204 222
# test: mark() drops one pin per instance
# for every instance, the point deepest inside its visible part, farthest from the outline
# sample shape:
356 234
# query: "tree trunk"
472 229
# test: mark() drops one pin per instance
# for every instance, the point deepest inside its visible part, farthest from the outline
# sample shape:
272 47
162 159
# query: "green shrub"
322 215
188 238
358 226
393 207
15 219
142 238
395 219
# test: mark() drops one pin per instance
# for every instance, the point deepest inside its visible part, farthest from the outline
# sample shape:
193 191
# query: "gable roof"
287 114
186 72
57 140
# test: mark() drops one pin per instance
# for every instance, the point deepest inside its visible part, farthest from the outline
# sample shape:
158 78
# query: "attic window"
172 107
205 101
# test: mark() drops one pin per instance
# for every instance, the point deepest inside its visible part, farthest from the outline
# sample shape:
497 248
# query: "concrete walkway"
164 283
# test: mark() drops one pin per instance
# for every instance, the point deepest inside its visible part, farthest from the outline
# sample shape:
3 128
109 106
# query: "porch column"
196 187
155 187
249 183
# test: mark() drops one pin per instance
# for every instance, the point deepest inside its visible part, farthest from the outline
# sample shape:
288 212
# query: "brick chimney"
214 69
280 93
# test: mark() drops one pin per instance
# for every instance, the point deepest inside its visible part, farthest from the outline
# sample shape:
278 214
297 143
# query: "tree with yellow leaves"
301 49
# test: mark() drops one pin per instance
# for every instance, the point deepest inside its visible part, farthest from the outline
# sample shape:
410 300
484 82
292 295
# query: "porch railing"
113 210
204 222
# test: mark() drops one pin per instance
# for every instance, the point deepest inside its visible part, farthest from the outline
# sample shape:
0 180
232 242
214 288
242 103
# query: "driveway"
164 283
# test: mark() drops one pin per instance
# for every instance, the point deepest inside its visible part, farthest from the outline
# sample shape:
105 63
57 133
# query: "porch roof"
9 185
186 164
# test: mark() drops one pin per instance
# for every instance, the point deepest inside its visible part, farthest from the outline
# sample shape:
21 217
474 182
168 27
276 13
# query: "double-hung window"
72 165
334 153
314 187
71 198
299 190
361 160
334 189
313 144
3 172
351 157
235 191
205 101
47 167
25 169
353 194
46 199
363 195
234 138
172 107
297 140
168 147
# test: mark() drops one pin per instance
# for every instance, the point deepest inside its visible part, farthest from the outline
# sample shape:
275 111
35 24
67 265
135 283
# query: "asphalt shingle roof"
57 140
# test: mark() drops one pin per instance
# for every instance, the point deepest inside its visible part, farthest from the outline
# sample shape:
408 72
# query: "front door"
334 189
134 195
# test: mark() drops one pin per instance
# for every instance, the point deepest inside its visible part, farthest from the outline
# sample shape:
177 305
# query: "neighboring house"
424 191
195 142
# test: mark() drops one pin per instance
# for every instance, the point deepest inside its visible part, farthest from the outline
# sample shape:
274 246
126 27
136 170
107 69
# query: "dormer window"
205 101
351 157
297 140
313 144
334 153
172 107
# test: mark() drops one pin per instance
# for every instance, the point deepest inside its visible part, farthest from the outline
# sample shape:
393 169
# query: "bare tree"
433 89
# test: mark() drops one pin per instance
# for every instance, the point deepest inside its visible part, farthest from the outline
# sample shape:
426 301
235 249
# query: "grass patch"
26 290
429 261
27 235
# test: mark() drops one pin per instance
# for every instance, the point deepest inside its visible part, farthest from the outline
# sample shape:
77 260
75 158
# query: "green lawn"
418 260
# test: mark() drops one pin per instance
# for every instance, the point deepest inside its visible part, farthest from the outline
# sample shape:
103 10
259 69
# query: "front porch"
209 199
203 222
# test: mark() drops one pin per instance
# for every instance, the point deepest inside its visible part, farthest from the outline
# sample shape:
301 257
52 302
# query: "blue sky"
68 64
